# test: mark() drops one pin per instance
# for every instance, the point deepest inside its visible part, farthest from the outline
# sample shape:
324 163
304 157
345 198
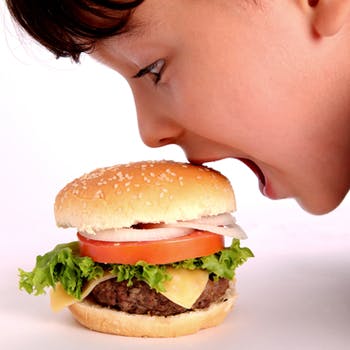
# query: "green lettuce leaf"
221 264
153 275
63 264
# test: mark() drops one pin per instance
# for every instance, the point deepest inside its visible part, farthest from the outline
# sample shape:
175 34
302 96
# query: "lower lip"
264 183
267 190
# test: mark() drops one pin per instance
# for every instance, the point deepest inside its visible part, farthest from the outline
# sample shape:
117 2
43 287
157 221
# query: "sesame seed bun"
111 321
142 192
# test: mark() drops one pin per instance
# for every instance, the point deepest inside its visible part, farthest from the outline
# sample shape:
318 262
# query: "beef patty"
141 299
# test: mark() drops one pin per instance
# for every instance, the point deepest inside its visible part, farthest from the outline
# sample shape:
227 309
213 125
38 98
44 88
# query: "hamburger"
150 257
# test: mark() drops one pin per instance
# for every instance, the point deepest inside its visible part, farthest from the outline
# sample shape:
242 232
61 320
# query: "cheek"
234 110
256 100
201 110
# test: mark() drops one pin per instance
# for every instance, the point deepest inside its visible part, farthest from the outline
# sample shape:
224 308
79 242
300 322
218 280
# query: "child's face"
243 83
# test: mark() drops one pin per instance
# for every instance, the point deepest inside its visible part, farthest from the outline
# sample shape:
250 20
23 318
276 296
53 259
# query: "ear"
329 16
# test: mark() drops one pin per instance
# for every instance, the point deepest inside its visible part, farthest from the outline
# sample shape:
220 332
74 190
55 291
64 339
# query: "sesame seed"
146 179
168 171
120 176
98 194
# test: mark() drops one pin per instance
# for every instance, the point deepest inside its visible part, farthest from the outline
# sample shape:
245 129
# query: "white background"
59 120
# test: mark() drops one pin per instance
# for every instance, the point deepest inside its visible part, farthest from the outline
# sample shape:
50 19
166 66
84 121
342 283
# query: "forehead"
145 19
167 27
151 25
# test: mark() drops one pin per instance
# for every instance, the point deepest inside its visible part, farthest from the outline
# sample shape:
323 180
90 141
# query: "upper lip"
201 161
248 162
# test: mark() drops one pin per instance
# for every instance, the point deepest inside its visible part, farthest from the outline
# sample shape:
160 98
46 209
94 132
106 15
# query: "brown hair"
69 27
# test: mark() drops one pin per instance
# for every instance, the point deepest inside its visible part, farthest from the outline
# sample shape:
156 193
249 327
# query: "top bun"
142 192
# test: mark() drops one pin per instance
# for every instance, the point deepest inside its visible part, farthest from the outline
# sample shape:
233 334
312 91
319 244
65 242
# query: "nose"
157 128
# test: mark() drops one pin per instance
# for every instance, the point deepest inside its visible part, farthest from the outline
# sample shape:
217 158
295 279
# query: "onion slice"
223 224
217 220
232 230
138 235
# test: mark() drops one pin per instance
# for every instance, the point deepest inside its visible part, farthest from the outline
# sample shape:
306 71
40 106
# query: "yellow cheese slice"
186 286
183 289
59 299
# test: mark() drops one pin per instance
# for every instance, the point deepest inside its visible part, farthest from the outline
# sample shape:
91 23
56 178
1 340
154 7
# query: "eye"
155 69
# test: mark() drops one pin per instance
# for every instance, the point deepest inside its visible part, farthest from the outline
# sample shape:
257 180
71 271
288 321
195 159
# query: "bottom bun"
107 320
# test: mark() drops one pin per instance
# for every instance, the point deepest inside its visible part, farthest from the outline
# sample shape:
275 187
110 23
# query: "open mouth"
255 169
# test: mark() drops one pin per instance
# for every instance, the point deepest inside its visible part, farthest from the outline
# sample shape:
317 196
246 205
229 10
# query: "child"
267 82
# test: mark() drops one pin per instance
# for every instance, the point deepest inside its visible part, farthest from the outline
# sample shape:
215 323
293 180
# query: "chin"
321 205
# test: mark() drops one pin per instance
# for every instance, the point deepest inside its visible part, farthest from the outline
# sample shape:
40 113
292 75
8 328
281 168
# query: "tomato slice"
193 245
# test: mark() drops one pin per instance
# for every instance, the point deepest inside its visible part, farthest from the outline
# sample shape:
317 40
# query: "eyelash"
148 70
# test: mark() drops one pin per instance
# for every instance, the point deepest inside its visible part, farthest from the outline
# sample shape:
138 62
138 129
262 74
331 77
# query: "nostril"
154 142
166 141
157 133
